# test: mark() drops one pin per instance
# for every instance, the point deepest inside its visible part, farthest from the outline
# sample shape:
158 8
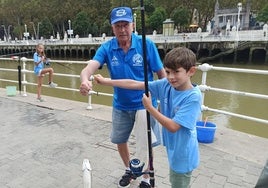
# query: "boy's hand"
99 79
147 101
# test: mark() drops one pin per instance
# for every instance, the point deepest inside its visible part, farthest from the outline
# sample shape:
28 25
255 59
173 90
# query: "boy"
180 108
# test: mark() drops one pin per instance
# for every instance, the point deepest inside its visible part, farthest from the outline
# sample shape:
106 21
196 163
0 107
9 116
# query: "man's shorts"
123 123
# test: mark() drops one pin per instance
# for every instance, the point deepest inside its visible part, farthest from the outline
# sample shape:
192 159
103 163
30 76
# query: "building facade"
238 17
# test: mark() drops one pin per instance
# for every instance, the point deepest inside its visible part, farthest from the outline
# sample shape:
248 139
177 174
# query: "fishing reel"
47 62
136 167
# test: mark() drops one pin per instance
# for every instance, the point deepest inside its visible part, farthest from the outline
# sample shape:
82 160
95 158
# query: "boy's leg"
179 180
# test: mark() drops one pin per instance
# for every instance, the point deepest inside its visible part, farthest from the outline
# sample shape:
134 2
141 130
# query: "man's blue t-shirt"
184 108
128 65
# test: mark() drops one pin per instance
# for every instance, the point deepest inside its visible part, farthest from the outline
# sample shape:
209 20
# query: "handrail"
203 87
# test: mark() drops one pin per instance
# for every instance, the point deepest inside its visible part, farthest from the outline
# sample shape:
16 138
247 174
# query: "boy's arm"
162 119
122 83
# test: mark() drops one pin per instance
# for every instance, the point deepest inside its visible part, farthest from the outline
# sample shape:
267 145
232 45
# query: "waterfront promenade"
43 145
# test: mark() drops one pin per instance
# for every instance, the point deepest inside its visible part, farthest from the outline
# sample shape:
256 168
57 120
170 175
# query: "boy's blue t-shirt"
128 65
184 108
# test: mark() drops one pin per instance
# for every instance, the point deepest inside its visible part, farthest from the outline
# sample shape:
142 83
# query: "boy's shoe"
144 184
52 85
126 179
40 99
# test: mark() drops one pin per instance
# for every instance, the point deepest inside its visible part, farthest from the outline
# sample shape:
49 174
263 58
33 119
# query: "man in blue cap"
123 56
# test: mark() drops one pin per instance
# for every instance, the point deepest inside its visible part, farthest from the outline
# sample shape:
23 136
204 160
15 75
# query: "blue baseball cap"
121 14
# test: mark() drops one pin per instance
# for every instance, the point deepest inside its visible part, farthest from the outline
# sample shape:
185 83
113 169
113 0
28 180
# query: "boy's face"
179 78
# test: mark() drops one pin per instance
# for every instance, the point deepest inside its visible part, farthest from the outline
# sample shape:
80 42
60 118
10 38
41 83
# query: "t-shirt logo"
137 60
114 61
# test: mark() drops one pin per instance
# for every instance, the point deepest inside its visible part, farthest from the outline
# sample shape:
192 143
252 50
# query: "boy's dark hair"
180 57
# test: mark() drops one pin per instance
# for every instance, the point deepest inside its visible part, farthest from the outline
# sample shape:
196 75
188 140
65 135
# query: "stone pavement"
43 145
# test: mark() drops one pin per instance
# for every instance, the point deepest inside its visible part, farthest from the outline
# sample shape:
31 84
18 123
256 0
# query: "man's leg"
121 129
124 153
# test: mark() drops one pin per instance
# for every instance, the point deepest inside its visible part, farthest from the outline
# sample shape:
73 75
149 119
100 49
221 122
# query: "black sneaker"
144 184
126 179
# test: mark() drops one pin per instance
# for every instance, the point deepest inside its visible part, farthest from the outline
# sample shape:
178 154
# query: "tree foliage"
157 19
92 17
263 14
180 16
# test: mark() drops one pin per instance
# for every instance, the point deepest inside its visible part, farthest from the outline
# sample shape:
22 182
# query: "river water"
228 102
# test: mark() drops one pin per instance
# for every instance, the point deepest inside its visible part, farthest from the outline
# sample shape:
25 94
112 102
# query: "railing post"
89 107
204 68
24 82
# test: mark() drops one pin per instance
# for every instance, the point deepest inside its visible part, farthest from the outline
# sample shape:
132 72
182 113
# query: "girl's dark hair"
180 57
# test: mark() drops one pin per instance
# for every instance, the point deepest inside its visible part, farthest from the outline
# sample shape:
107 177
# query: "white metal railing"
204 88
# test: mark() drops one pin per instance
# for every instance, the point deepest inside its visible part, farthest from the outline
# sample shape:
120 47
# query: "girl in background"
40 70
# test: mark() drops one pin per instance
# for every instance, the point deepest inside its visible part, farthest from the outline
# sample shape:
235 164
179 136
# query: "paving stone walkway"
43 145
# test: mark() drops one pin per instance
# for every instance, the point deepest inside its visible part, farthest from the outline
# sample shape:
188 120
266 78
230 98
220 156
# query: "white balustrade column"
24 81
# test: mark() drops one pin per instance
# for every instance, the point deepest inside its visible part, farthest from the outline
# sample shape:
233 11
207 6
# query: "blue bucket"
205 134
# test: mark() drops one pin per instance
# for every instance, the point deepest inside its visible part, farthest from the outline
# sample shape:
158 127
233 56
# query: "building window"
220 19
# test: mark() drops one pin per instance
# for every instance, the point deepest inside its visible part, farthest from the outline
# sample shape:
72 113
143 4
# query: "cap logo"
121 12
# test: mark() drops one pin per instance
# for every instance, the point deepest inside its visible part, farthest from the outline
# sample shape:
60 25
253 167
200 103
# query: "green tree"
20 12
81 24
263 14
106 28
46 29
157 19
181 16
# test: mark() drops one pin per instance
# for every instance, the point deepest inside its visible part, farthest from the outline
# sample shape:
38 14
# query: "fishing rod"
30 52
150 150
16 54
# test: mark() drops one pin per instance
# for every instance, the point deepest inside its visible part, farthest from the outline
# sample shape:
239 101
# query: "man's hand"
85 87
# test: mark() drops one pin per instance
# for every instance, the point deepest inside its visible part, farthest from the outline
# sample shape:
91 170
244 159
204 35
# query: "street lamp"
135 23
239 7
70 31
26 34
